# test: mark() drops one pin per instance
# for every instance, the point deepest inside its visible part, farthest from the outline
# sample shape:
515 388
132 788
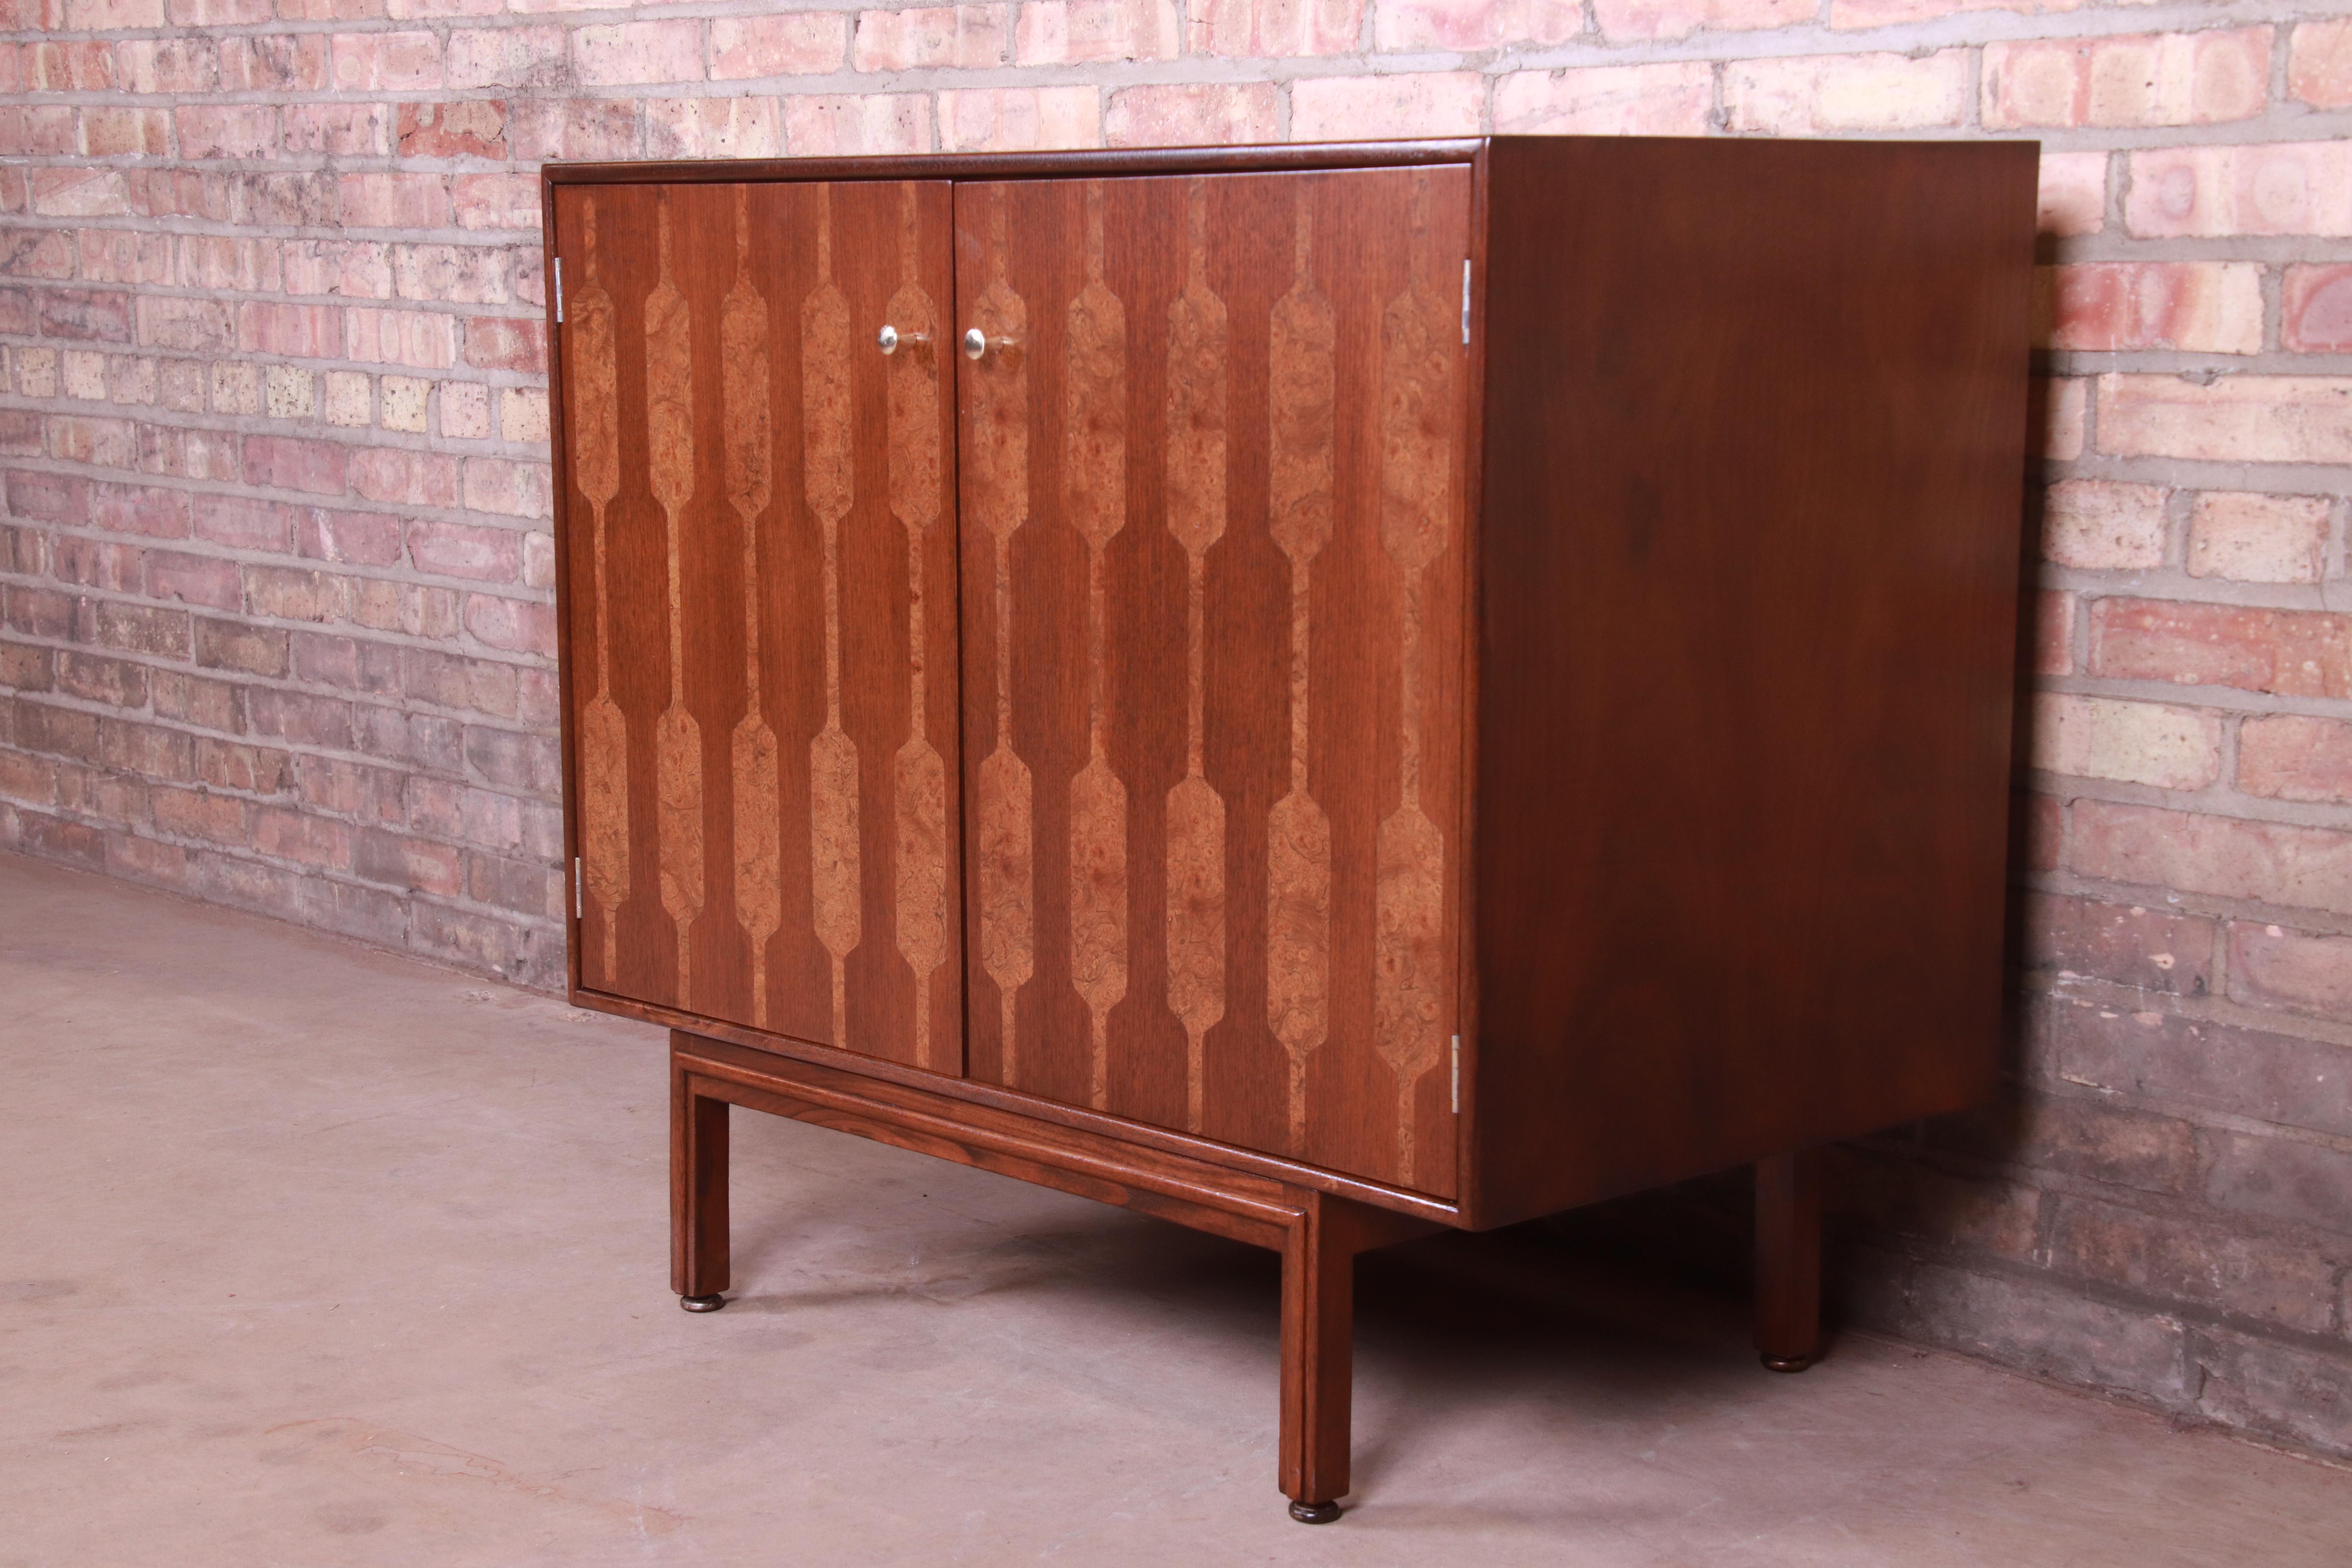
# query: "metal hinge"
559 295
1465 302
579 892
1457 1075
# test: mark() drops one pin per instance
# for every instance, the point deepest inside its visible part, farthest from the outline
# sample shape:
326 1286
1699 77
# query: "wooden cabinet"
1317 692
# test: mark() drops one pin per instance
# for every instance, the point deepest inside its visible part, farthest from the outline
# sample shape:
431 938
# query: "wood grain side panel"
1750 547
763 612
1264 656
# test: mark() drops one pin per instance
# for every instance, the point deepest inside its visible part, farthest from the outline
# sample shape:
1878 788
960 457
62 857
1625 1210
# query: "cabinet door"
1212 513
761 589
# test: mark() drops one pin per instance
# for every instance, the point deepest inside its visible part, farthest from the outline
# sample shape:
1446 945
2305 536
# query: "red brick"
1191 114
300 718
590 128
422 741
391 474
88 315
1472 24
1672 100
101 443
2171 78
423 340
23 669
73 66
361 271
350 662
200 701
509 488
2236 419
41 611
365 538
829 127
219 13
627 54
1340 108
351 130
2271 187
2221 1267
48 498
148 749
518 885
294 331
496 201
2258 538
190 454
285 462
387 62
2316 309
802 43
2300 972
28 778
2135 742
147 133
1675 18
204 580
81 192
2290 756
402 861
930 37
1069 32
2307 868
2199 1063
97 563
501 757
459 550
37 132
2282 1179
122 255
144 861
294 593
395 201
273 62
507 342
2150 950
511 625
167 65
353 789
730 127
475 128
1808 96
200 813
239 646
532 58
1884 1196
225 131
459 274
2195 306
2319 65
307 200
253 769
113 682
2102 526
452 680
2297 653
2053 633
298 836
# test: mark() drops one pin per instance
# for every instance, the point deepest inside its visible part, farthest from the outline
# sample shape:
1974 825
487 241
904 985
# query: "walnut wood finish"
761 607
1212 514
1748 570
1317 1235
1788 1259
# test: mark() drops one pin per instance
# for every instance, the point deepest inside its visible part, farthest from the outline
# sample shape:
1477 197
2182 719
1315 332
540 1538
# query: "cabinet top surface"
1039 164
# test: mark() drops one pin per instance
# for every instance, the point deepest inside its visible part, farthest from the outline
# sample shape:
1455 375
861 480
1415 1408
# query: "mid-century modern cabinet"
1317 692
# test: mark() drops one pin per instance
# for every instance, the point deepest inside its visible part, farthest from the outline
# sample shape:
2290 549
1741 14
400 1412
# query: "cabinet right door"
1212 511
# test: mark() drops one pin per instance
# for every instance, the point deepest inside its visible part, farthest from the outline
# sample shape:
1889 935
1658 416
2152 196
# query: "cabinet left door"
761 603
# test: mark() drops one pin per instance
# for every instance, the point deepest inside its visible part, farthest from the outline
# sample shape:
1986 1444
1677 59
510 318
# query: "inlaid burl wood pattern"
1213 592
766 833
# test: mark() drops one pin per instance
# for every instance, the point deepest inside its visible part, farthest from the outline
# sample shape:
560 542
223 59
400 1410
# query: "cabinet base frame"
1320 1234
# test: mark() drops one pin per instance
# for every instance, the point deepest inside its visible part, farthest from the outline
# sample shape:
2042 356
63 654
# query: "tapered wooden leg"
697 1195
1788 1259
1319 1355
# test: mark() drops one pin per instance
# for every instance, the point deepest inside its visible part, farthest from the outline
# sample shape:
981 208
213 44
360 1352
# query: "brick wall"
275 564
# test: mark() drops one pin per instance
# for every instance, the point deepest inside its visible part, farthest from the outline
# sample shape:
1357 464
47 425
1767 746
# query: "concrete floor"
311 1255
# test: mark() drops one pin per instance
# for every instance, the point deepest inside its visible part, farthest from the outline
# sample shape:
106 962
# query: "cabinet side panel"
1753 480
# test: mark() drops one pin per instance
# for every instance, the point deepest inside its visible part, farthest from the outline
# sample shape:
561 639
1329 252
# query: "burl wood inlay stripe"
1302 436
919 777
1419 426
678 739
839 912
748 437
999 458
594 414
1198 345
1094 470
